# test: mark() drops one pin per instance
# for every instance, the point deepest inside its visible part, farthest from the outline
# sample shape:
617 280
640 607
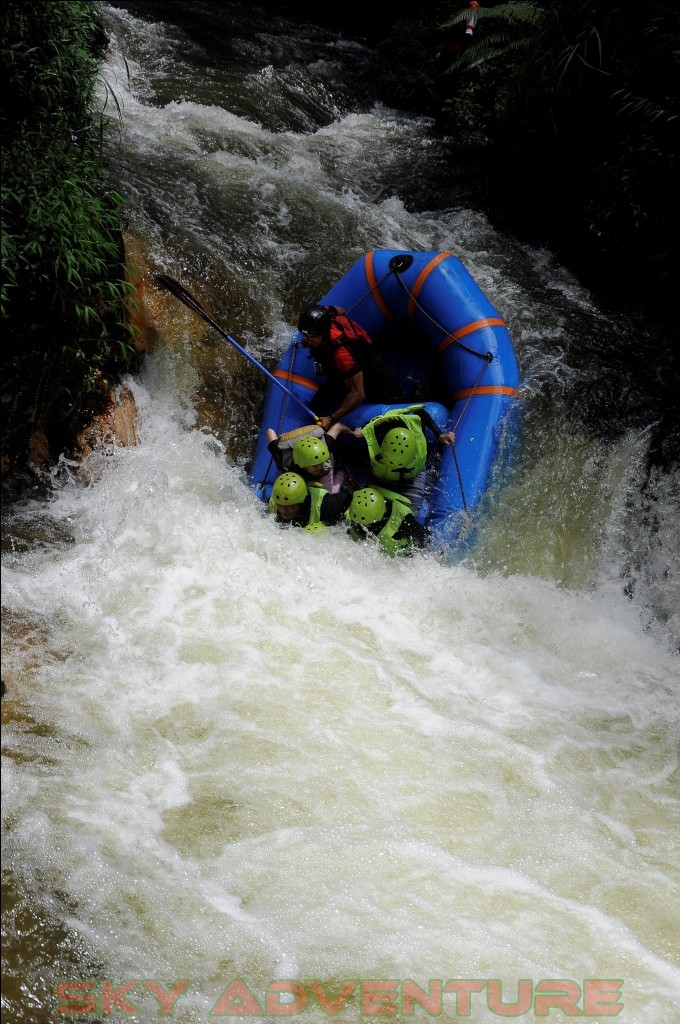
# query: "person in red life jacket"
344 353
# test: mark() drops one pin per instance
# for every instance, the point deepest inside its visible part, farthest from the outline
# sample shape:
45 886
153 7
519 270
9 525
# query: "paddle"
184 296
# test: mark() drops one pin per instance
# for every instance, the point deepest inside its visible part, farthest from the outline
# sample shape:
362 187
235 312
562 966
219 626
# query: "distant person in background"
344 353
456 39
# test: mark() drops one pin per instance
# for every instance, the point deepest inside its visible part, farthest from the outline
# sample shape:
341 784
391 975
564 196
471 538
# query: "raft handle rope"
473 352
376 286
396 265
486 356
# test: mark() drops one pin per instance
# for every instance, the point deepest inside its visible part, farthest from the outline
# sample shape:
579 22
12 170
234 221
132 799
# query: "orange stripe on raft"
422 278
294 379
492 321
489 390
370 277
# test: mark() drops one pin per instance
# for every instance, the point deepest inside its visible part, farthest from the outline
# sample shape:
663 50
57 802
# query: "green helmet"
367 506
314 527
310 451
289 489
399 450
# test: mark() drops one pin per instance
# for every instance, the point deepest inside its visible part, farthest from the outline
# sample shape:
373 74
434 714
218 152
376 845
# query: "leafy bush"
580 99
63 280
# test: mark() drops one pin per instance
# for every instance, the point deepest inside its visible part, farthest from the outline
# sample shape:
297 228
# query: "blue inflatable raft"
451 352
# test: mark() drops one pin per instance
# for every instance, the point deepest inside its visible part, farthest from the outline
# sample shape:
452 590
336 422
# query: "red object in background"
472 18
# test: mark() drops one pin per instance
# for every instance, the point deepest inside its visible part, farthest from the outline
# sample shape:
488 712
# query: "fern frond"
639 106
523 13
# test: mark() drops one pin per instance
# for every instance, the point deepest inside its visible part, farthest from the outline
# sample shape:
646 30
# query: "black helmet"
314 320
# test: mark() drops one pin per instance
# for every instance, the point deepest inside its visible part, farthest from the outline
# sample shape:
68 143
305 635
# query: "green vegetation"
63 281
578 105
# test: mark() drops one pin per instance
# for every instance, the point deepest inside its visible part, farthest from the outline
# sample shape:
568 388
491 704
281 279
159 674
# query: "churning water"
237 755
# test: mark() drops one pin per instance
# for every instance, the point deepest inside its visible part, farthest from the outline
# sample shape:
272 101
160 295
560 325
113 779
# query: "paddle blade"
169 282
178 290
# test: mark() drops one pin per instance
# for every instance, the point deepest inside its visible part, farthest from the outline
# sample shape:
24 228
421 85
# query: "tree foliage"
63 277
580 103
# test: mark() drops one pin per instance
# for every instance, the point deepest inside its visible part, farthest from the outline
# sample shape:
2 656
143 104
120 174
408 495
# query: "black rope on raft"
488 359
460 477
370 291
445 333
284 404
486 356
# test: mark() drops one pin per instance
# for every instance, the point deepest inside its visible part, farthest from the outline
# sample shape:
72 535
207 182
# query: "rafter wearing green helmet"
399 449
289 489
311 452
367 506
387 517
296 502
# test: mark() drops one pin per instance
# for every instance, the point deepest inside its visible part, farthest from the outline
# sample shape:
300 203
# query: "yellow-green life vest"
401 507
396 417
